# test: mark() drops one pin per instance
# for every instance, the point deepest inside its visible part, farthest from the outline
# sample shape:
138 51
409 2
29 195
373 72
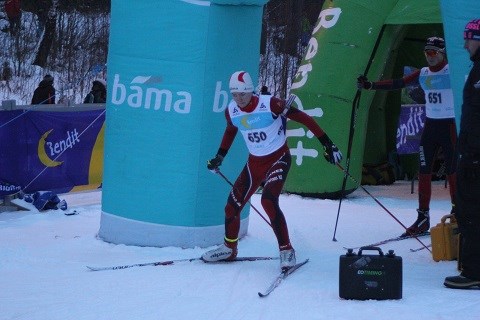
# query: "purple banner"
410 126
58 151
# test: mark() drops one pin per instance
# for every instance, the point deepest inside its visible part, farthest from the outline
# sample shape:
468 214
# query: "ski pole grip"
380 252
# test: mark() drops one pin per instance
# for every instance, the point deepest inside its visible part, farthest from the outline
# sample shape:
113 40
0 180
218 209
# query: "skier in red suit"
261 119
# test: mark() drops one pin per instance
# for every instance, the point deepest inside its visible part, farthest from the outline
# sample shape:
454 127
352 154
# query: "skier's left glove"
363 83
214 163
331 152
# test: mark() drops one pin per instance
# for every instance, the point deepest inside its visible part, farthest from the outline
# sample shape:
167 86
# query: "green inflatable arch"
341 48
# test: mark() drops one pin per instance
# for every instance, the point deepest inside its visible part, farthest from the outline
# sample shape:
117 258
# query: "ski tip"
261 295
71 213
96 268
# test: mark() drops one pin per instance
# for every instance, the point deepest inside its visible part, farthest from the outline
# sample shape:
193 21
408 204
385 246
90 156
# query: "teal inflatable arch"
341 47
169 65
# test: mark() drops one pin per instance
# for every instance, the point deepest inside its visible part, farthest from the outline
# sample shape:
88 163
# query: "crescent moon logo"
42 155
428 82
245 123
95 171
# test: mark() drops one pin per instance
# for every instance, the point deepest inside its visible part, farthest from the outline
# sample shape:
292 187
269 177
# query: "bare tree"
48 35
287 26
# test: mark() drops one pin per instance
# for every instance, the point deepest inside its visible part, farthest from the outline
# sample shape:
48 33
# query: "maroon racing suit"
438 131
269 170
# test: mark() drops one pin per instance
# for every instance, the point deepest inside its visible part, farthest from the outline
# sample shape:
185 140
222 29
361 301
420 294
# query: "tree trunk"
47 38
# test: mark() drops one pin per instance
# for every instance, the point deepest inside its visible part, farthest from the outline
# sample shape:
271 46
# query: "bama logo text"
140 93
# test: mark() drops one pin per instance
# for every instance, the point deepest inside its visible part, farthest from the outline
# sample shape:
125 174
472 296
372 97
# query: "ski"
170 262
280 278
394 239
421 248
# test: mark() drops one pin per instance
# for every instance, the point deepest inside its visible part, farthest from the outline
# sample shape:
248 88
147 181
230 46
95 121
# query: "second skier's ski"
399 238
421 248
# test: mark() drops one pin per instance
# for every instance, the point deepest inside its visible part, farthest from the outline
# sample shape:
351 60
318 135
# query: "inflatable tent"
376 38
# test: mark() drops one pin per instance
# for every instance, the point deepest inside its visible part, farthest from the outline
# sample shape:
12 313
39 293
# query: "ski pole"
353 124
381 205
251 205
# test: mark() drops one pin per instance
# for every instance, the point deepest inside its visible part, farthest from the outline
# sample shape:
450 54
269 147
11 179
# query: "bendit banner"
57 151
410 127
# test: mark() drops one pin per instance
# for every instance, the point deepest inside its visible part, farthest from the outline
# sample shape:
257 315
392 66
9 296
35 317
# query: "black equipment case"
364 276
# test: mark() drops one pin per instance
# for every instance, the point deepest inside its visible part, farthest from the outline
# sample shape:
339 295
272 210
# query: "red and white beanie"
241 81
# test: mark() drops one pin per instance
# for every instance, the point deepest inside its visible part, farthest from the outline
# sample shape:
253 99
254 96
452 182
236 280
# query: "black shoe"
421 225
460 282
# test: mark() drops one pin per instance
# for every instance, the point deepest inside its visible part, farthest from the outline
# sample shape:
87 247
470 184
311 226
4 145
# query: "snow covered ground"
43 259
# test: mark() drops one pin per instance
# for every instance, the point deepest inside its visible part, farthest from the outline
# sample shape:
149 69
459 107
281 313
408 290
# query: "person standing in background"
468 170
45 92
14 15
439 130
264 90
7 74
98 94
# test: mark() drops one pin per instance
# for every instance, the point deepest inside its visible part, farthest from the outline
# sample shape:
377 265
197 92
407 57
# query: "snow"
43 259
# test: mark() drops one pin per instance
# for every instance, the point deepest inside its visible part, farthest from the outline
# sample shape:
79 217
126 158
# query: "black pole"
381 205
231 184
353 123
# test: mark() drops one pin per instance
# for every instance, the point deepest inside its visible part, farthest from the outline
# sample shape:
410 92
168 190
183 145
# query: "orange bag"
445 239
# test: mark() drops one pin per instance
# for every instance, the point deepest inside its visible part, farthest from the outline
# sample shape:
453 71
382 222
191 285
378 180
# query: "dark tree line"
64 37
70 37
51 13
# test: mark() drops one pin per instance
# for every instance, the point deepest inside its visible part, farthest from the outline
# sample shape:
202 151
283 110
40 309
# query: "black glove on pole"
363 83
331 152
214 163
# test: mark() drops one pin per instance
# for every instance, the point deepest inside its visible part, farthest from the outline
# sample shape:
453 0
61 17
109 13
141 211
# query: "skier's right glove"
363 83
214 163
331 152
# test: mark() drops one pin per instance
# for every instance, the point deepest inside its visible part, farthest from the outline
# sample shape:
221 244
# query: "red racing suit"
439 130
263 125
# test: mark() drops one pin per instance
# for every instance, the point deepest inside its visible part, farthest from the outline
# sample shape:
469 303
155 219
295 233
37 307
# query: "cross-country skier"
439 130
261 119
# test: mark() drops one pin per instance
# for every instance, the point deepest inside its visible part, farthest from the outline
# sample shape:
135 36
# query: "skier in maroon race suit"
261 119
439 130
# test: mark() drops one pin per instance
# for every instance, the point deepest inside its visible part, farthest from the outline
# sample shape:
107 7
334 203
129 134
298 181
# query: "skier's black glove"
363 83
331 152
214 163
